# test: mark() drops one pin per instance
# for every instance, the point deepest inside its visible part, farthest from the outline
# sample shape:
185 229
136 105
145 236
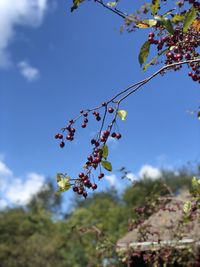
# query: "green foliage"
155 7
187 207
144 52
63 182
104 151
107 165
189 18
168 25
46 199
111 4
154 59
87 235
122 114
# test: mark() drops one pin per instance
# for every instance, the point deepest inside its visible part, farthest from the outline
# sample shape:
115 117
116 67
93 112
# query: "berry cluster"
97 158
174 39
180 46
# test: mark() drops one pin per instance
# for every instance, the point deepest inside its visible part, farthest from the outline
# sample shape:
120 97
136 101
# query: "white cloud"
29 72
14 13
4 170
131 177
112 180
148 171
18 190
21 192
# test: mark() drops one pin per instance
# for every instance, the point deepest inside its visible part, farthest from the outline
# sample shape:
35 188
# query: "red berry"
93 141
151 40
83 125
102 139
80 191
81 175
169 55
75 188
85 194
151 34
94 186
106 133
62 144
90 158
113 135
98 118
187 56
101 175
118 135
110 109
57 136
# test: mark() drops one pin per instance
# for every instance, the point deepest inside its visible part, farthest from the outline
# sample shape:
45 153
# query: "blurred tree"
86 237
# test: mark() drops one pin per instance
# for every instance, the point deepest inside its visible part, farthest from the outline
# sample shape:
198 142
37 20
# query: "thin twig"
154 75
116 11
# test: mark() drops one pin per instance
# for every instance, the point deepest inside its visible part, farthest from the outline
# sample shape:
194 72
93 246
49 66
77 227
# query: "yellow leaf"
142 25
196 24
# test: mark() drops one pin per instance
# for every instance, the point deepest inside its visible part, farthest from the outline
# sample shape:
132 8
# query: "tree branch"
127 91
114 10
138 85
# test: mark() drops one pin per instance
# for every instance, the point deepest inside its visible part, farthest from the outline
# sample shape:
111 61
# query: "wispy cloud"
13 13
29 72
18 190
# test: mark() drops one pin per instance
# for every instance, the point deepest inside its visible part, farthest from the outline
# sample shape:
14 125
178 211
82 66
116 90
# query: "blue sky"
53 63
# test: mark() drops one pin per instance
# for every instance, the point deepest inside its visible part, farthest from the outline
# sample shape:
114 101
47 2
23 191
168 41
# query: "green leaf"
104 151
189 18
63 182
168 25
144 52
150 63
154 59
111 4
177 18
122 114
107 165
187 207
59 176
195 183
155 7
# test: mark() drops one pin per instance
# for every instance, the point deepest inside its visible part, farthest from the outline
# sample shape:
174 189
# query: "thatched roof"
166 228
